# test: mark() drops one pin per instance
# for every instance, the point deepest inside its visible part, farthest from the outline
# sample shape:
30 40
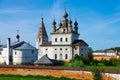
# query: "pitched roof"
15 44
44 60
42 31
80 42
25 46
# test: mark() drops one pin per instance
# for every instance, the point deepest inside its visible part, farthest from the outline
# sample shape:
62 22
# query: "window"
81 48
81 54
0 53
55 39
60 39
32 51
60 48
60 56
66 56
66 49
15 53
75 48
55 56
55 48
64 30
66 39
46 49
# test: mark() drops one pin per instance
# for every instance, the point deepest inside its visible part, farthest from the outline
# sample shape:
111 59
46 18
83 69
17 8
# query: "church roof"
80 42
15 44
44 60
47 44
42 31
25 46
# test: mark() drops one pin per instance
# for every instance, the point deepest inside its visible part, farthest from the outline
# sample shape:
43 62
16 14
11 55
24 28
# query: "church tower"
42 36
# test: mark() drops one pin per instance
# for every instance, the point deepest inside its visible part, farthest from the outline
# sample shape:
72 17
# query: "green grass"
29 77
104 67
99 66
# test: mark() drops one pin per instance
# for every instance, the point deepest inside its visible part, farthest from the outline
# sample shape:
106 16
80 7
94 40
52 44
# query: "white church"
65 42
19 52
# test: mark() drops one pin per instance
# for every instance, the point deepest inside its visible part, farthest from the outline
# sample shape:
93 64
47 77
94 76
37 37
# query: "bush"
85 60
95 62
76 63
111 62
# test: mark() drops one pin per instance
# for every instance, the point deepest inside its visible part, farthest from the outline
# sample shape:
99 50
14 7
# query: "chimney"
8 51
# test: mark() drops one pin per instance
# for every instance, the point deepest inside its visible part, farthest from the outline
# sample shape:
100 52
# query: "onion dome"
70 22
65 15
76 23
54 22
17 36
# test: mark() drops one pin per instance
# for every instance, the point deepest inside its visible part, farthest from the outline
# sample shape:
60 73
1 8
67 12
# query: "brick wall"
53 72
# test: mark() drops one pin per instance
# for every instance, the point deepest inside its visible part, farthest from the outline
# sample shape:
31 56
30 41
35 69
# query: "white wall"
52 50
24 56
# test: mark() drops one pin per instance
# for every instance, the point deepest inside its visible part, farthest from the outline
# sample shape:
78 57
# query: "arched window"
66 56
60 39
55 56
66 39
55 39
60 56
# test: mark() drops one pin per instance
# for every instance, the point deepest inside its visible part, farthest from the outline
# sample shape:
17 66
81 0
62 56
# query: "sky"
98 20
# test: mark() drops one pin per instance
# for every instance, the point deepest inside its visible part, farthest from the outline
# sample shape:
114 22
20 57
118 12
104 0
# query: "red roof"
80 42
47 44
76 43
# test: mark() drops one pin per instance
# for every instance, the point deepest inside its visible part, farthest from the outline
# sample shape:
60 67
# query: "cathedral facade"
64 44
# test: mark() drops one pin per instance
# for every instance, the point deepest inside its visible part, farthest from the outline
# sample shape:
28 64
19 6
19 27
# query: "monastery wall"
56 72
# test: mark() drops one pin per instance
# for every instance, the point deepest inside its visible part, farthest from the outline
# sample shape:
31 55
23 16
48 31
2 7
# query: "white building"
17 53
106 54
64 42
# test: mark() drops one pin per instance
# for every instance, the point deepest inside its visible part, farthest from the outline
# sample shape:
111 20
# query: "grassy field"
104 67
18 77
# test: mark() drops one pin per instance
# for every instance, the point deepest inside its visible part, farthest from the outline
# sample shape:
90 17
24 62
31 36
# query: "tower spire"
54 26
65 15
76 26
42 34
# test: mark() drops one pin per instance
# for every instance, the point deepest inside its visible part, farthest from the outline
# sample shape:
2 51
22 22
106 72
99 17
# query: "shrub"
85 60
76 63
95 62
111 62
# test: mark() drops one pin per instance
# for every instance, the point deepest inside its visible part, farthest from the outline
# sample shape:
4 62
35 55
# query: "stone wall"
78 74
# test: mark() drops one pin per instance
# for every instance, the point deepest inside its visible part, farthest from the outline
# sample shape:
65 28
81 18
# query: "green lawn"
103 67
18 77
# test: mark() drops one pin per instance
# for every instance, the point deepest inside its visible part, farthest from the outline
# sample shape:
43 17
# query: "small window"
75 48
32 51
81 48
55 56
60 48
55 48
0 53
66 49
55 39
46 49
81 54
64 30
66 39
66 56
60 39
15 53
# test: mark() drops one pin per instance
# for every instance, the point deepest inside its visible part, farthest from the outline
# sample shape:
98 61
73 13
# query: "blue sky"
99 20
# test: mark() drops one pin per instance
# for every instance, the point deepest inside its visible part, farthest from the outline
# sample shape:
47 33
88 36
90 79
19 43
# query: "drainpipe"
8 51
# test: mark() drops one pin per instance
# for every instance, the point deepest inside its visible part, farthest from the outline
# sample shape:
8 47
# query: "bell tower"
42 36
